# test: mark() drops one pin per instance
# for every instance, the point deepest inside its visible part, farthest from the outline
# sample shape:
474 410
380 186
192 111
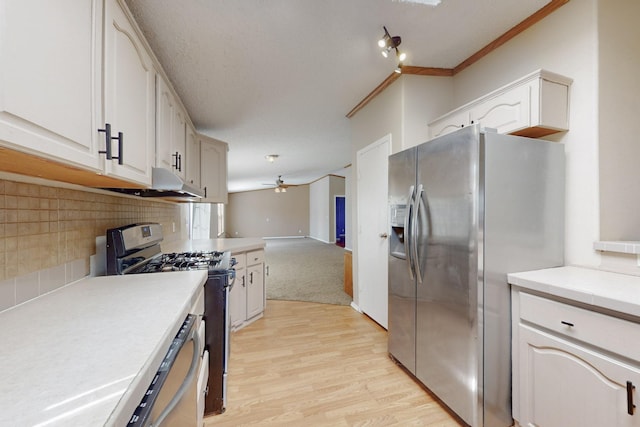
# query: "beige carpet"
305 269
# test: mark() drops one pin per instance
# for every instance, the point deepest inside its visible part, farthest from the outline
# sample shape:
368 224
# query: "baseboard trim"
285 237
355 307
321 240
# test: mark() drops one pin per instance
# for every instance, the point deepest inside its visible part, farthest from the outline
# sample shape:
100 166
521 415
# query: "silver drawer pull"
569 324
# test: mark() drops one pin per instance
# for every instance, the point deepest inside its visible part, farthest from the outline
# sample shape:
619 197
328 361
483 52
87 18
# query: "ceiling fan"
280 186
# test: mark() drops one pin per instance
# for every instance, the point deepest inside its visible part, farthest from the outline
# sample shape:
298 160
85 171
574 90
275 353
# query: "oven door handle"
188 380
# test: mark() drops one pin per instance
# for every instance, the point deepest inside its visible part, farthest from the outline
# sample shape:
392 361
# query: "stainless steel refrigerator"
466 209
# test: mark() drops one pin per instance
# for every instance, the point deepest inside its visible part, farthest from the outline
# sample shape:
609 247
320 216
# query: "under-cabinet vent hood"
164 183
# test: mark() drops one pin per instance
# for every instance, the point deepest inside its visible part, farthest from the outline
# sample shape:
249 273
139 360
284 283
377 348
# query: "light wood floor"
308 364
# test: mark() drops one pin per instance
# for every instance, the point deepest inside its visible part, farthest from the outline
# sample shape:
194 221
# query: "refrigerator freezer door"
402 288
447 344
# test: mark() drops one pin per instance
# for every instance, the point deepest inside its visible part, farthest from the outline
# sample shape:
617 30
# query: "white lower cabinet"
201 389
255 290
238 294
573 366
248 293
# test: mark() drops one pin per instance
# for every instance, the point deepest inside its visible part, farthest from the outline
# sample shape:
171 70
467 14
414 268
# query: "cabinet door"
506 112
129 96
255 290
213 169
193 157
565 384
449 123
170 130
179 141
165 106
50 79
238 299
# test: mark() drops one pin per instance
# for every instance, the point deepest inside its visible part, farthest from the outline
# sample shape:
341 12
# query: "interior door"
447 272
371 255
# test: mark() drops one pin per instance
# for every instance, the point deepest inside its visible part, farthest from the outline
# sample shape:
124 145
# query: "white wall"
619 140
349 202
319 210
425 98
322 207
565 43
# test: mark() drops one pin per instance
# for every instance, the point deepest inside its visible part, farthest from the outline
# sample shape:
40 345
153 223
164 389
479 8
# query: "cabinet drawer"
607 332
241 260
255 257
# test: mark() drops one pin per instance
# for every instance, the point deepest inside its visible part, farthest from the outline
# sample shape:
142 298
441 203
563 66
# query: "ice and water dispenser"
397 215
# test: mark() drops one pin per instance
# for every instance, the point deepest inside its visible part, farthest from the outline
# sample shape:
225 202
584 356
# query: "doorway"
340 221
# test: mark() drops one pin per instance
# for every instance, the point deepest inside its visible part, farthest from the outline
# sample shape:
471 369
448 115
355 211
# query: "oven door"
172 396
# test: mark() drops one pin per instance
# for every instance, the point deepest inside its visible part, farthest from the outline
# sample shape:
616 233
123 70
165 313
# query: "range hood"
164 183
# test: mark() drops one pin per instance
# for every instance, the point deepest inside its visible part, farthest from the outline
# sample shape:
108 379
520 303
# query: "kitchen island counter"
84 354
239 244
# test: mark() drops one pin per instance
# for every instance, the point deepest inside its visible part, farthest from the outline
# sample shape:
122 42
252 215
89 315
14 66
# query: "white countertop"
84 354
611 291
240 244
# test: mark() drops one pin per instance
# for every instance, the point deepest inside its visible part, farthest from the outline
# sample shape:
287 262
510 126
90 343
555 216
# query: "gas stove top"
135 248
212 261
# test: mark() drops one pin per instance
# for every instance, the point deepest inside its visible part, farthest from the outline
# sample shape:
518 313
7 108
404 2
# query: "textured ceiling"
278 76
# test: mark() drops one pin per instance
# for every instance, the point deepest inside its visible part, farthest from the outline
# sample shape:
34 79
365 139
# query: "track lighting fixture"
388 43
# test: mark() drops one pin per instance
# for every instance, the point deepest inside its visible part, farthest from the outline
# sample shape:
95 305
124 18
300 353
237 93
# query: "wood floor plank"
308 364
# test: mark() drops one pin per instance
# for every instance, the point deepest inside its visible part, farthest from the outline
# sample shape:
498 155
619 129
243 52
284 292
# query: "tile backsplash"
47 233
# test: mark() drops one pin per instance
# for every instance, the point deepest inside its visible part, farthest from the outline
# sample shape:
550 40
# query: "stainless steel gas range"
135 249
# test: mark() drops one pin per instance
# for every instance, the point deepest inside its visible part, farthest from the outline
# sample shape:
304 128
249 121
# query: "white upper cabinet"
213 169
535 105
129 97
505 112
170 131
193 158
50 79
68 70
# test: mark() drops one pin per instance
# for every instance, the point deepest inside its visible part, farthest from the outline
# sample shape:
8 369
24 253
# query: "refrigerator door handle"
417 202
408 232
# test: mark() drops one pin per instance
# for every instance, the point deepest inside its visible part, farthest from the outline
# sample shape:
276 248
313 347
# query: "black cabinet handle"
205 192
569 324
107 138
179 162
243 285
120 139
630 406
251 277
175 164
107 149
